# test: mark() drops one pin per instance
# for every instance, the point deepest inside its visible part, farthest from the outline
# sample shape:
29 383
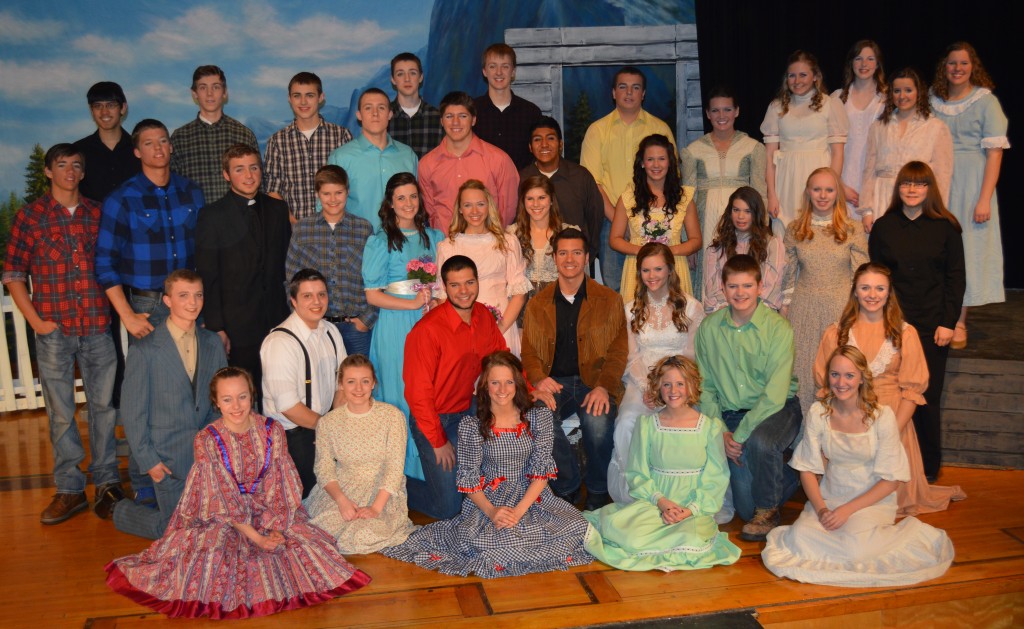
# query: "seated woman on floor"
511 524
678 474
850 461
360 496
239 543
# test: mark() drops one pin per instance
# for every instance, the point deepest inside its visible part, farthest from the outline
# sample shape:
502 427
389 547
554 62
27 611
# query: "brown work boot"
106 497
62 507
764 520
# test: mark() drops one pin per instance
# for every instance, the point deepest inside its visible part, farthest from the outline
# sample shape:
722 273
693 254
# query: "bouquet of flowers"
494 311
656 231
424 271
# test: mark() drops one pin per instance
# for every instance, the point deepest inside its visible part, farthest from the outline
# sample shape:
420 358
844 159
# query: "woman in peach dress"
873 323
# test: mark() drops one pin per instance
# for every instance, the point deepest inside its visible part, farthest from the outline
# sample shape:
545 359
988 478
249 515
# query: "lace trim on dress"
957 107
681 549
664 472
696 428
995 142
821 222
885 354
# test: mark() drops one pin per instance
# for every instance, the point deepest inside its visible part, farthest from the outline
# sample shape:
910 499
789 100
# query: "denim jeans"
763 480
611 260
598 431
158 313
356 342
56 355
436 495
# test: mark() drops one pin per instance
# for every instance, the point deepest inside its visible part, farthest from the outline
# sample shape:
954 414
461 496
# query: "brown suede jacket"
602 337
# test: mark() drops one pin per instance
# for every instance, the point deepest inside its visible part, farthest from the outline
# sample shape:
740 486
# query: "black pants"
302 448
928 418
248 357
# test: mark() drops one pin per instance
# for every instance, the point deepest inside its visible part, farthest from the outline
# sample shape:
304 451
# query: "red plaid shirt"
58 251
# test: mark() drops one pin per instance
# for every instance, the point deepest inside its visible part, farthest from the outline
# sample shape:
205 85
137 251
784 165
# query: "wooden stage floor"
53 576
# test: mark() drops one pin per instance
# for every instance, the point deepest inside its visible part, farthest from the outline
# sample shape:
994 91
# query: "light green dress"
685 465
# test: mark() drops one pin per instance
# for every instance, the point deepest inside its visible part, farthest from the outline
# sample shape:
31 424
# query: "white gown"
869 550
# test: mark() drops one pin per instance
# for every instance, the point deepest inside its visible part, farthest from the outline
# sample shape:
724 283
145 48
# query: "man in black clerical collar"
241 243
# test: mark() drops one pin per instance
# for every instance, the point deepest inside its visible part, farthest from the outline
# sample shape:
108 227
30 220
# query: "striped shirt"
147 231
198 147
56 248
292 161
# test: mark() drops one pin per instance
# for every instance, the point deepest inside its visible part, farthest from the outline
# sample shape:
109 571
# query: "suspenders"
309 367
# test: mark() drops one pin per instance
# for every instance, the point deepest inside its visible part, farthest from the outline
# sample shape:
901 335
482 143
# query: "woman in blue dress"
404 236
962 98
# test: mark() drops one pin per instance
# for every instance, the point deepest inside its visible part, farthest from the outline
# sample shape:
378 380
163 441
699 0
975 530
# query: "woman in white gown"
863 97
851 460
662 320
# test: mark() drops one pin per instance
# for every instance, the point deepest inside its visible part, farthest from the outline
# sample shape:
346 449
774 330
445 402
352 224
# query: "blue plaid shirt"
338 254
147 231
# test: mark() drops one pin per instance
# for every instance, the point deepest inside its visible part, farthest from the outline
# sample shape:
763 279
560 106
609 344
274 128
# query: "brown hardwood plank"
535 591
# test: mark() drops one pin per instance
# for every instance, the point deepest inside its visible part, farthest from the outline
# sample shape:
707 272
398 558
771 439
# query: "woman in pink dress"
476 232
873 323
239 543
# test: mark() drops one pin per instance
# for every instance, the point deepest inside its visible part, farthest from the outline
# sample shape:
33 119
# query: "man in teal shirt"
372 158
745 355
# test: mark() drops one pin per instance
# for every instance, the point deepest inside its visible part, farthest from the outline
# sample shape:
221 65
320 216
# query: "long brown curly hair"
521 400
676 296
493 222
849 77
841 225
784 95
892 314
923 106
673 186
867 400
933 207
522 223
686 367
979 75
760 230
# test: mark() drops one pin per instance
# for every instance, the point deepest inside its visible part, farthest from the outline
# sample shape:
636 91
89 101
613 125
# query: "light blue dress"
977 122
383 269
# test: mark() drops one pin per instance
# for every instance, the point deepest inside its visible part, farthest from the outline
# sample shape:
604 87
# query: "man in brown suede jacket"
574 346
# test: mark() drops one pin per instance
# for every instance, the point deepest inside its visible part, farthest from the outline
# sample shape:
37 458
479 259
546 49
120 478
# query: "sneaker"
764 520
62 507
596 500
146 497
106 497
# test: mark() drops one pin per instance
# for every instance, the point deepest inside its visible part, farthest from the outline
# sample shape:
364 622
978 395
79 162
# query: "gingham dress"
548 537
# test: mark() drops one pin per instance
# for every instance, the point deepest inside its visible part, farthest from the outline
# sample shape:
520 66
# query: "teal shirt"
369 169
748 366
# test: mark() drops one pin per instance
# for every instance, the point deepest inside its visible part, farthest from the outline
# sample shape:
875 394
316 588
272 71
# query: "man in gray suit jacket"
166 401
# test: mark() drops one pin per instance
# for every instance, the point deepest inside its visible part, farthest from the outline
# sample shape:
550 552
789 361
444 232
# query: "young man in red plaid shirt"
53 240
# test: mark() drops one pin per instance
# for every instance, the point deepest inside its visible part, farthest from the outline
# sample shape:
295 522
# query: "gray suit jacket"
161 409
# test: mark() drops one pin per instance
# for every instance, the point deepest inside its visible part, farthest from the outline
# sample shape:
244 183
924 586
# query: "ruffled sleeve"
714 478
515 267
638 467
891 461
541 463
469 456
395 440
325 465
770 125
808 455
838 122
375 262
772 272
993 124
913 375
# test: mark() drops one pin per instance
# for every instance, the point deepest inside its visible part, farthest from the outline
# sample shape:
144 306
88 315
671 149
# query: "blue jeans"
764 481
356 342
611 260
436 495
597 440
56 355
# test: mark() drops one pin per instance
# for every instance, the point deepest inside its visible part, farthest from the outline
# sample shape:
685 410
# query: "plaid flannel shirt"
292 161
422 132
198 148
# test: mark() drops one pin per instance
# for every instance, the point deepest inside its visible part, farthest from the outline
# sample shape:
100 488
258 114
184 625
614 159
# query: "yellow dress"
676 234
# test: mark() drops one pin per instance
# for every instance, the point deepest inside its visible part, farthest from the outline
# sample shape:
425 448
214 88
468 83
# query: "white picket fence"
24 392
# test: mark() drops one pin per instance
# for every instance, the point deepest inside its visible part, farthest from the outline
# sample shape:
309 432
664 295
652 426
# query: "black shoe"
62 507
596 500
106 497
572 497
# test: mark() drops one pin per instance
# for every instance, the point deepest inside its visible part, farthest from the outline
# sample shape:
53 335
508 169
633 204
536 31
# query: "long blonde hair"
841 224
492 223
867 400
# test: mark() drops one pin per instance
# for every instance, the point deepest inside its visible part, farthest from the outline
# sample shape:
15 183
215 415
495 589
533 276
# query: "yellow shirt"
188 346
610 145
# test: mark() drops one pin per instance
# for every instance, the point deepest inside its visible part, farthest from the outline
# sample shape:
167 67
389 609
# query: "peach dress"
899 374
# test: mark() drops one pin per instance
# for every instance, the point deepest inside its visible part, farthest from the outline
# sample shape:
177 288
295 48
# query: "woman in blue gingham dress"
511 523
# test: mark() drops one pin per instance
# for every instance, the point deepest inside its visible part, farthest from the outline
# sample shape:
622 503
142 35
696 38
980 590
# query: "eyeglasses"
913 185
108 105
